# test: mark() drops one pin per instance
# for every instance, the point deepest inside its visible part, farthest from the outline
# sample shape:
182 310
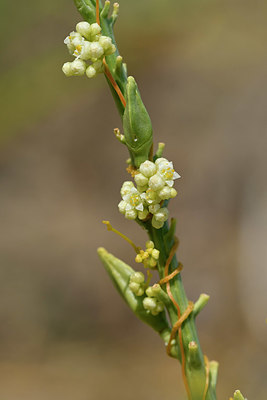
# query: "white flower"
132 203
83 50
150 196
166 171
74 39
148 168
133 200
85 44
126 188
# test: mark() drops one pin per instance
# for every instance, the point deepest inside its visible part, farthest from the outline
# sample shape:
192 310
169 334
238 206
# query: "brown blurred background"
201 68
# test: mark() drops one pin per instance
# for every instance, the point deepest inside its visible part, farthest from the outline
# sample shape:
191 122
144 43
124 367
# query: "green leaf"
120 274
136 125
87 10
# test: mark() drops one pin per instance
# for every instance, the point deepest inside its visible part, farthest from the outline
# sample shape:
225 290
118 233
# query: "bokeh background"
64 331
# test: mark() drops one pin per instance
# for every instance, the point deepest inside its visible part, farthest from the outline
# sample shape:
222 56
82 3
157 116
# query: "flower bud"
126 188
122 206
155 254
66 68
154 208
83 28
95 29
156 182
98 66
140 180
131 214
150 292
96 50
90 71
110 50
134 286
107 45
162 214
156 224
143 214
152 197
142 189
148 168
167 193
76 67
138 277
159 160
150 303
138 258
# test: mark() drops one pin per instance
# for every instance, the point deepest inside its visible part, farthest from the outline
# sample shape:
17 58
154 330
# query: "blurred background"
201 68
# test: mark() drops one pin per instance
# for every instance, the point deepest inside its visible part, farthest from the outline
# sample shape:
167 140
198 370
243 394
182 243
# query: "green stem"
195 372
163 238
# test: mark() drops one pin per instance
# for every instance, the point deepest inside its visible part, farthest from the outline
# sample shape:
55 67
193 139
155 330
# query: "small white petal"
176 175
140 207
170 183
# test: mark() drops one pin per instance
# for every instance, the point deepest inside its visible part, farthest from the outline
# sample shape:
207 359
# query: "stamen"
110 228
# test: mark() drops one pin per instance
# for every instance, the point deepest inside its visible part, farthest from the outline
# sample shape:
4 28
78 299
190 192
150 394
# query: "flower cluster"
149 257
138 286
154 183
151 303
87 44
137 283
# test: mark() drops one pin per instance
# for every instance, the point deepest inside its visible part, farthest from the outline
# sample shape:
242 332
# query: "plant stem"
195 370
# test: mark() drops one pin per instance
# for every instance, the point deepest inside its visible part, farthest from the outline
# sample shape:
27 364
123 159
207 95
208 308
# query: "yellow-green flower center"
134 200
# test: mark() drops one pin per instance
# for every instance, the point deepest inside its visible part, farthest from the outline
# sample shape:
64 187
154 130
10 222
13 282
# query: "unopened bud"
83 28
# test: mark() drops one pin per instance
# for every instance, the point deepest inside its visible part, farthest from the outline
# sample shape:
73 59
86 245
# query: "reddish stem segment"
106 68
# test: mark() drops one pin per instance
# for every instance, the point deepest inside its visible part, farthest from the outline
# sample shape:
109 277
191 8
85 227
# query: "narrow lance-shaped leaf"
136 125
120 274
